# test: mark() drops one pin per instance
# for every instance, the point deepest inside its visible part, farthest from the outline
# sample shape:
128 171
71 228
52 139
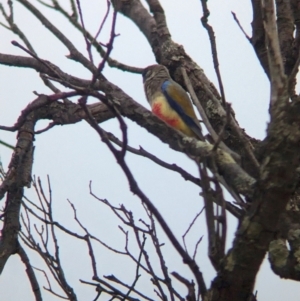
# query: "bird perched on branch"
170 102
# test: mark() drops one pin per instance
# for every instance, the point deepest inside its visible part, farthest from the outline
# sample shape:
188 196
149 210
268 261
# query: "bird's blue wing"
179 101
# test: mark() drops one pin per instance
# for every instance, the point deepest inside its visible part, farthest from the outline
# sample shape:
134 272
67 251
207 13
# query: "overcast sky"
73 155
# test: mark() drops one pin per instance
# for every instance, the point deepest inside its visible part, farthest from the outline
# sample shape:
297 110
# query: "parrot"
170 102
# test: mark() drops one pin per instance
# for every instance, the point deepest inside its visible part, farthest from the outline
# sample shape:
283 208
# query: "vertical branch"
11 225
233 123
285 26
209 214
222 219
88 44
137 275
157 245
110 43
102 23
296 48
216 223
258 36
18 176
278 79
213 45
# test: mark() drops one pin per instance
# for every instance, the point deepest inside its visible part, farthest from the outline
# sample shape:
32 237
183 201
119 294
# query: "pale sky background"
73 155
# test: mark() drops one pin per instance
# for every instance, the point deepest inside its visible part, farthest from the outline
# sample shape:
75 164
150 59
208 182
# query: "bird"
170 102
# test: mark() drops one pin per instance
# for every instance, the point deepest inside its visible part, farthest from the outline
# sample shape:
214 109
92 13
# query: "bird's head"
157 71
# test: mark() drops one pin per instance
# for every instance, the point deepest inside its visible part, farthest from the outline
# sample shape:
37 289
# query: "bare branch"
144 153
213 45
135 189
190 227
190 285
30 273
74 53
277 76
240 26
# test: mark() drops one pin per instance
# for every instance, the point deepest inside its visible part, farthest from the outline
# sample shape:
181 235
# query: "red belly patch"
157 110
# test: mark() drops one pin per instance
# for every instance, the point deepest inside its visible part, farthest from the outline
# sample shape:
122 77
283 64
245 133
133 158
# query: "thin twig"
115 279
14 27
137 275
240 26
158 245
6 144
88 45
144 153
109 45
213 45
103 21
74 53
196 247
112 62
190 227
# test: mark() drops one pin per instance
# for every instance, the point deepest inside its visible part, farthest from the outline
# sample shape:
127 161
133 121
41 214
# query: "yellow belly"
162 109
